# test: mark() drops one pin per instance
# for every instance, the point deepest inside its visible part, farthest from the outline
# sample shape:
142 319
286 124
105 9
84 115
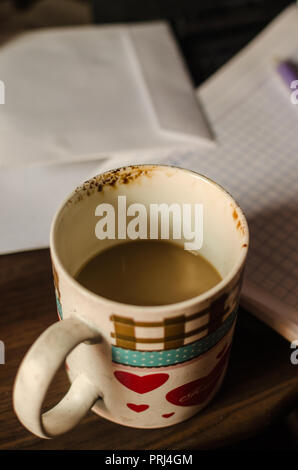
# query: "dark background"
210 32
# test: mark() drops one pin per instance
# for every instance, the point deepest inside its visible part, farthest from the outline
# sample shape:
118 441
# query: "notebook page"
256 160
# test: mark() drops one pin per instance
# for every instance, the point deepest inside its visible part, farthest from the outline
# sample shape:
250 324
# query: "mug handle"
37 371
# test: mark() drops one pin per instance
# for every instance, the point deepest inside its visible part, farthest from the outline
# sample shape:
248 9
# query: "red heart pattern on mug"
141 384
137 408
196 392
168 415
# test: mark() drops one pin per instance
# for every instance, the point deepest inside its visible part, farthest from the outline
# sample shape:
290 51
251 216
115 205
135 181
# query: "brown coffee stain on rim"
235 215
112 179
239 225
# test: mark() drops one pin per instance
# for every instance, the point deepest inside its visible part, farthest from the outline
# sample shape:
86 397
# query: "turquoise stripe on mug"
59 308
172 356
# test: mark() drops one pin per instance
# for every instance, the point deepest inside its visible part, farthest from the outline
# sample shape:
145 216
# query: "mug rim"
199 299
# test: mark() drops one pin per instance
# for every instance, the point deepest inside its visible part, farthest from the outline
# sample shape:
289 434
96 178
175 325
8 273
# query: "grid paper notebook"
256 160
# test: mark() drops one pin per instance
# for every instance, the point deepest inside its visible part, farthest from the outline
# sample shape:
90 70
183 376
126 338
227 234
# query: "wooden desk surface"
260 384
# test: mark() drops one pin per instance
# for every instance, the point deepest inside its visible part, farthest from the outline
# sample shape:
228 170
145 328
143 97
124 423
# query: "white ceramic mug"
144 367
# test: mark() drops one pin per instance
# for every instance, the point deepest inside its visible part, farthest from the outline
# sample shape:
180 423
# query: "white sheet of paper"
85 92
81 99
